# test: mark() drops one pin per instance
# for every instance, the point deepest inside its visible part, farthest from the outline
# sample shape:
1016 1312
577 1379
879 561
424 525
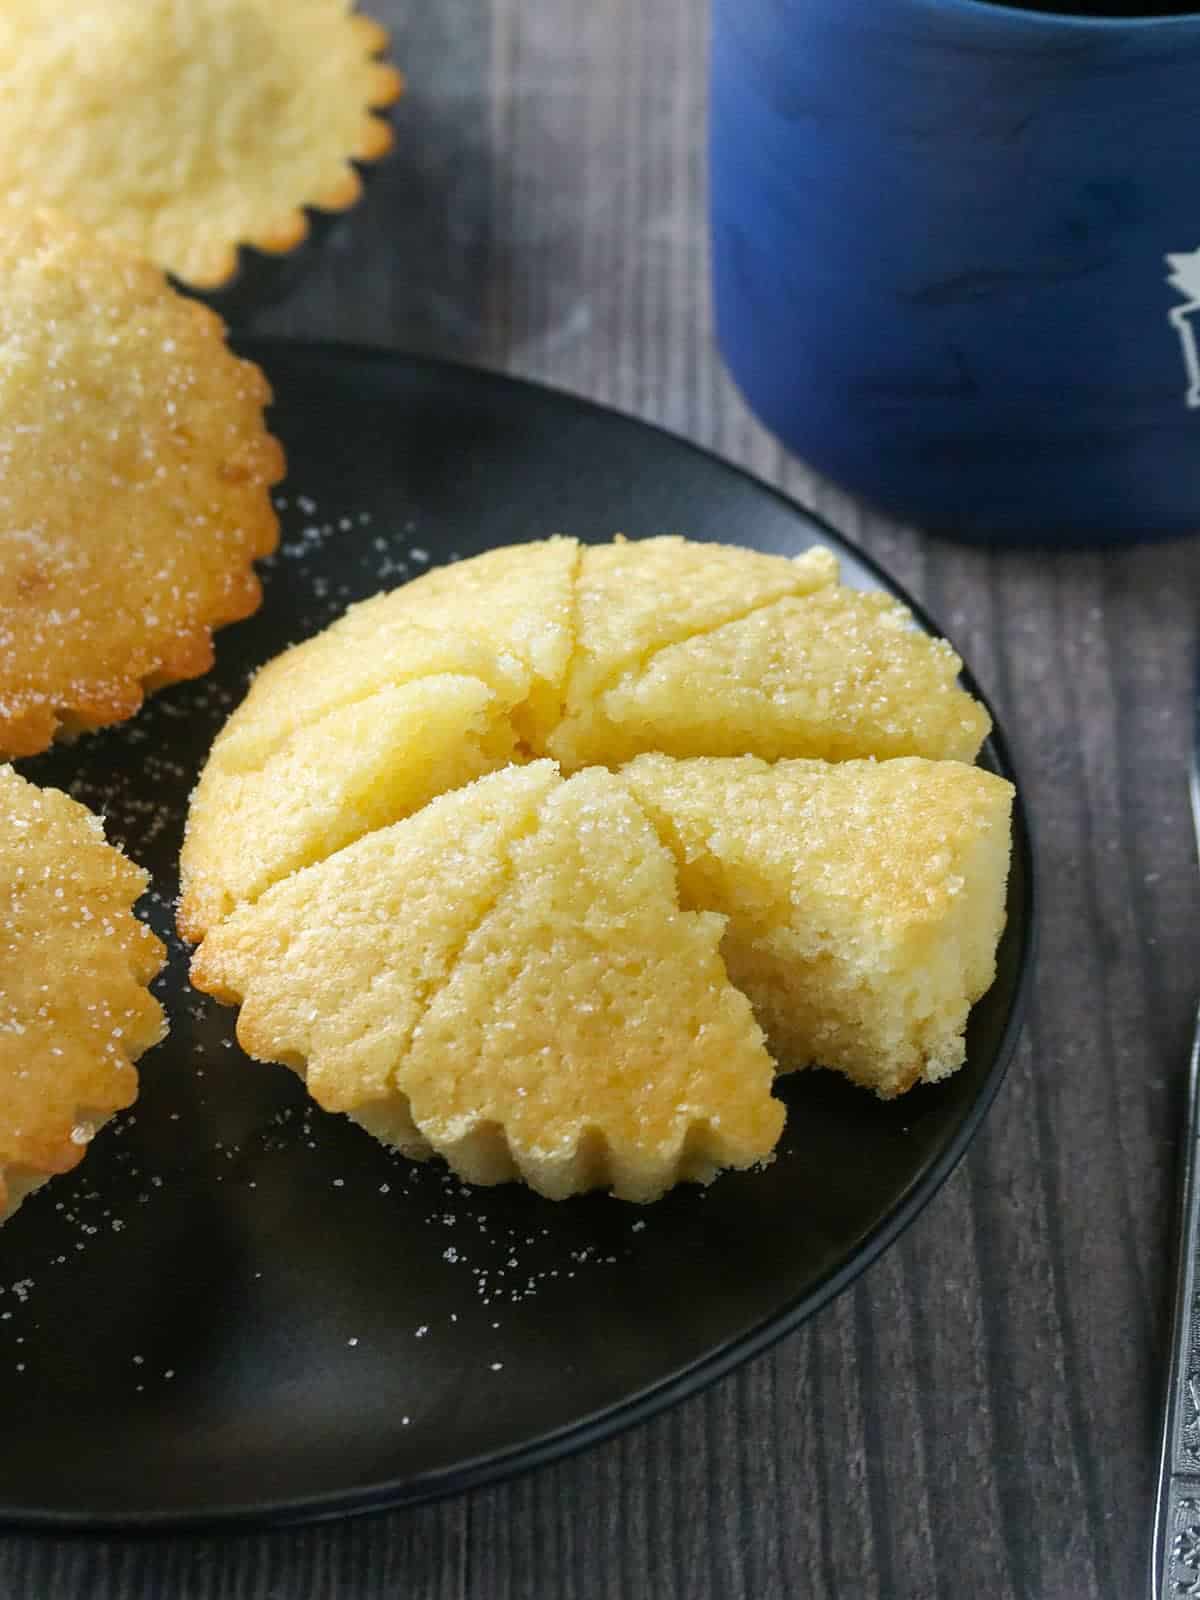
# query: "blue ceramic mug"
956 256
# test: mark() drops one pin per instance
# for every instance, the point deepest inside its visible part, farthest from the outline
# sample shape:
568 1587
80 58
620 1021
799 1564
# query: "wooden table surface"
977 1417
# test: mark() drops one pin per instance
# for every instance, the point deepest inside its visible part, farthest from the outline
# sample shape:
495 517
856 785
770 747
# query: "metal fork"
1175 1552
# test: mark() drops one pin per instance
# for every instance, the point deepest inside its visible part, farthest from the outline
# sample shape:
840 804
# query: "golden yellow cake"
183 128
135 471
695 650
865 899
526 651
75 1012
508 979
440 860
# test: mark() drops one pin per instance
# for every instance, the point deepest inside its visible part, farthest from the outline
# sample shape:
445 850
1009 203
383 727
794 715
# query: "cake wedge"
865 899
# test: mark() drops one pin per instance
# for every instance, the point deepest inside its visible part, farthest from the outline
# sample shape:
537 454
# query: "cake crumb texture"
865 899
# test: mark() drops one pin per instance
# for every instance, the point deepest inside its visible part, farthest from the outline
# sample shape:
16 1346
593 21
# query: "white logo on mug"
1185 277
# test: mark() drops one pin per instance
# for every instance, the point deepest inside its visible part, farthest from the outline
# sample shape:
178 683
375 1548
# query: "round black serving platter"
243 1310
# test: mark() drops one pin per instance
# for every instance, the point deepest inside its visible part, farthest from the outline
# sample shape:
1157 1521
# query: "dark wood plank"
977 1416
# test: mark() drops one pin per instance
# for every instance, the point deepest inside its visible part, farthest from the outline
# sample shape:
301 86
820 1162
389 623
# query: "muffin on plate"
75 1011
183 128
496 864
135 474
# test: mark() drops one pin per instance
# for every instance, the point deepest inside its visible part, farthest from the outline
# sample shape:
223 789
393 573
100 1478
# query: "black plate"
242 1309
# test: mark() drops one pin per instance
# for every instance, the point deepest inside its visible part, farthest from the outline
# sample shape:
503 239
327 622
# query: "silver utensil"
1175 1554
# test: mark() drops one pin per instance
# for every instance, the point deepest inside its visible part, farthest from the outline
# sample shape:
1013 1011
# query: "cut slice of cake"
360 768
835 674
511 627
334 967
522 598
410 694
589 1035
865 899
635 598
